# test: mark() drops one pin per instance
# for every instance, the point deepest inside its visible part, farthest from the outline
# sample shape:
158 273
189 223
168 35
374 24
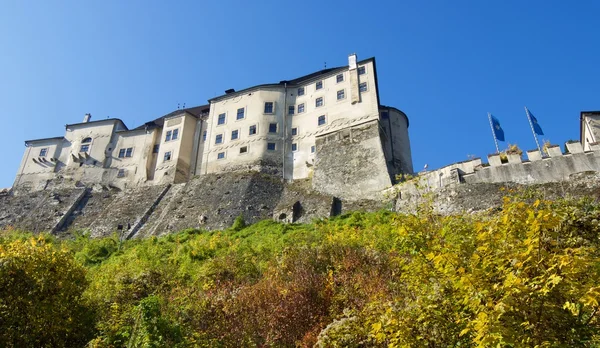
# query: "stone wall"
350 164
465 179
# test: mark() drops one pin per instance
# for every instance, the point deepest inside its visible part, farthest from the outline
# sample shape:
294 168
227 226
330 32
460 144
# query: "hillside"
524 275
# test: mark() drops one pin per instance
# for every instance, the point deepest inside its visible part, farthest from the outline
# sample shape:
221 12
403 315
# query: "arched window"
85 145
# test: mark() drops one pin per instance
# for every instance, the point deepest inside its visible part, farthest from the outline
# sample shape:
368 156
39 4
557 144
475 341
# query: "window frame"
318 85
219 123
250 134
294 131
43 152
276 128
274 146
221 155
360 87
204 135
156 148
291 108
313 148
245 152
319 124
121 173
343 94
122 153
294 147
168 135
237 115
217 137
362 68
86 146
167 154
272 108
337 78
317 102
299 94
237 135
175 134
303 108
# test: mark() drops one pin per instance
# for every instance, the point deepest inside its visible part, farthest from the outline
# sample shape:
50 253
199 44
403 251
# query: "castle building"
329 125
589 129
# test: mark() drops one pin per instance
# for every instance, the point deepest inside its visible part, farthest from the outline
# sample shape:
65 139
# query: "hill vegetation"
524 276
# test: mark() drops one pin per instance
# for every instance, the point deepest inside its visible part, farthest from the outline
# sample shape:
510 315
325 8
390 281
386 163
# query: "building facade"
589 129
271 127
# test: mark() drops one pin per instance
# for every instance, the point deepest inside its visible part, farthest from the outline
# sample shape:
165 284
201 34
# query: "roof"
97 121
196 111
297 81
44 139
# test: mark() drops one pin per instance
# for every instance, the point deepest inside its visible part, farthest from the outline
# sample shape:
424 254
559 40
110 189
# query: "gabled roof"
294 82
196 111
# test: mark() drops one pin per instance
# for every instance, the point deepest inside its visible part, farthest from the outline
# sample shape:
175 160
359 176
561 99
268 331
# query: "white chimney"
87 118
352 61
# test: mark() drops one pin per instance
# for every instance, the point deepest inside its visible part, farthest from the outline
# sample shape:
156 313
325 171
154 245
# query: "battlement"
556 166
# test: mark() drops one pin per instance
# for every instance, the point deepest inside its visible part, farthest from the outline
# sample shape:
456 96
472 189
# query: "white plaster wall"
253 104
134 166
591 130
181 148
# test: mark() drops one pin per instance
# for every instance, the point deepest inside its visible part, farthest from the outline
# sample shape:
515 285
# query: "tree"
41 302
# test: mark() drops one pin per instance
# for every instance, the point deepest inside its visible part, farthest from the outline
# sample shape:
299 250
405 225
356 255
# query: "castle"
328 125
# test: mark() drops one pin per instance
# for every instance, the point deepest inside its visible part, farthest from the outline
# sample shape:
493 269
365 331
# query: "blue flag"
536 126
498 132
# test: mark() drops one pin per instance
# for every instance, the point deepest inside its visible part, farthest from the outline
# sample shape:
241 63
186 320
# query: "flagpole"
493 132
533 131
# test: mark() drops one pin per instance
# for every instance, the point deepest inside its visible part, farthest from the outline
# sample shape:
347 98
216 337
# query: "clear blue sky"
444 63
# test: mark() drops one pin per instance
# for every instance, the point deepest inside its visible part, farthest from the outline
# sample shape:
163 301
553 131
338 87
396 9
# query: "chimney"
354 79
87 118
352 61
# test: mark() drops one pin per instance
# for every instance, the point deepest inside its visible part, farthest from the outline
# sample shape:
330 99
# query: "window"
122 153
240 114
252 130
271 146
84 148
221 155
301 108
295 131
221 119
168 136
339 78
219 139
385 115
341 94
243 149
86 140
121 173
362 87
204 135
291 109
129 152
313 149
321 120
319 85
272 127
362 70
175 134
167 156
300 91
155 148
234 134
43 152
269 108
295 147
319 102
